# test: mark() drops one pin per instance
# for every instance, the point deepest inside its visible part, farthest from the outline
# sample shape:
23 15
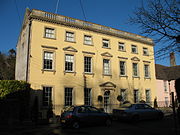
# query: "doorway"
107 101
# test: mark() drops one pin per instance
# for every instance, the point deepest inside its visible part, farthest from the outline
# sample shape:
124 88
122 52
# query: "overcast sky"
112 13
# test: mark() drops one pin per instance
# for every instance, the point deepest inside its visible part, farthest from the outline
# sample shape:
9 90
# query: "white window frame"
105 42
134 47
70 60
47 95
106 68
87 96
121 46
68 96
148 95
165 85
87 67
70 36
88 40
137 70
49 33
124 68
136 95
145 51
48 56
123 94
146 71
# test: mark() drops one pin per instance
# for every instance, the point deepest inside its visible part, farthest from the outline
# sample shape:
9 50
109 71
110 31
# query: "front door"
107 101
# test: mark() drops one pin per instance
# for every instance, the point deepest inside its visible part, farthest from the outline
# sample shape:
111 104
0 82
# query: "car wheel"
108 122
135 118
76 125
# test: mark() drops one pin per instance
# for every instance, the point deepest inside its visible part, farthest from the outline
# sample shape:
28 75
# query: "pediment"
107 54
135 59
108 84
70 48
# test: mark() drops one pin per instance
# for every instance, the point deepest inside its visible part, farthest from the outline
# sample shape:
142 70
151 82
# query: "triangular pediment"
107 54
108 84
70 48
135 59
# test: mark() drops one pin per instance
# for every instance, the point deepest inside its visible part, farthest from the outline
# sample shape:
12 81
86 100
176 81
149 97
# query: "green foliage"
11 86
8 62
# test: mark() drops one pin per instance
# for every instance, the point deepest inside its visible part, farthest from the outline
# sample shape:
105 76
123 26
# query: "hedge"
12 86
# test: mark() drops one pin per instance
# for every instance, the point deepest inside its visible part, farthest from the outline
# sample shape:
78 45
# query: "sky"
111 13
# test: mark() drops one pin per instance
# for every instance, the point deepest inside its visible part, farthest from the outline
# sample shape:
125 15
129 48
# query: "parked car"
136 112
77 116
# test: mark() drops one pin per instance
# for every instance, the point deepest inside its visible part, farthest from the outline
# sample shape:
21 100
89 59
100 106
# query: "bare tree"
160 19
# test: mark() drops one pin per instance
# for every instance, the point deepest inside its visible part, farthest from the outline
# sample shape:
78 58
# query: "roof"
167 73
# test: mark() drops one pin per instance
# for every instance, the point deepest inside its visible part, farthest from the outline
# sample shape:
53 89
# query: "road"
152 127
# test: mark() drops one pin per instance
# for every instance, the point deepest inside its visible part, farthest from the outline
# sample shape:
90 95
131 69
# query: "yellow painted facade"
59 79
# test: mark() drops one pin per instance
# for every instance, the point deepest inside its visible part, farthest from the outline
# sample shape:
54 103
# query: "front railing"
84 24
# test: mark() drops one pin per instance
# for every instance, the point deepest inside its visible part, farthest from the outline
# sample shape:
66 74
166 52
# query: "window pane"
148 98
68 96
134 49
145 51
135 69
69 36
49 33
87 96
123 94
136 96
106 66
146 70
87 64
121 46
69 61
87 39
47 96
105 43
48 60
122 68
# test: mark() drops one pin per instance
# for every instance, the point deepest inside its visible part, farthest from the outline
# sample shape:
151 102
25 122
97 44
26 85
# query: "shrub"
11 86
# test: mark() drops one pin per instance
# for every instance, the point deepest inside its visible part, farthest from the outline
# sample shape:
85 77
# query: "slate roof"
167 73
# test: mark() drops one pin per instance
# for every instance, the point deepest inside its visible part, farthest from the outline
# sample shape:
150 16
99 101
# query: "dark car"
76 116
136 112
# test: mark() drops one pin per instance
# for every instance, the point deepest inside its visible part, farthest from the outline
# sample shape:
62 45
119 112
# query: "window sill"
88 73
107 75
122 50
145 54
70 41
88 44
106 47
147 77
70 72
48 70
50 38
134 53
123 75
136 77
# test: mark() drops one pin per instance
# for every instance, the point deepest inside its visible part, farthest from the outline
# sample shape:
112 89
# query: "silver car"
136 112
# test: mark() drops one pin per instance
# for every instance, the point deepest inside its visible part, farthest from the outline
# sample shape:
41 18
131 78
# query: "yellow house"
73 62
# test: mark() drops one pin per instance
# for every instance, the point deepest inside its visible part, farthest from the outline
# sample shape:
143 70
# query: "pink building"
165 83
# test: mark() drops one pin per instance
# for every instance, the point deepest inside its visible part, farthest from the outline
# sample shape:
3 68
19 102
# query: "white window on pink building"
165 86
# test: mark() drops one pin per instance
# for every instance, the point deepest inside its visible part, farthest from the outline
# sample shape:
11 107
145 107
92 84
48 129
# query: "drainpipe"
27 65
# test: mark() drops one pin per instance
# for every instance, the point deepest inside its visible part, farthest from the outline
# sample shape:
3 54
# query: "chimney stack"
172 59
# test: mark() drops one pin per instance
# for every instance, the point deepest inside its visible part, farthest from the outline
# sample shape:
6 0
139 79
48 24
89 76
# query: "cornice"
71 22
